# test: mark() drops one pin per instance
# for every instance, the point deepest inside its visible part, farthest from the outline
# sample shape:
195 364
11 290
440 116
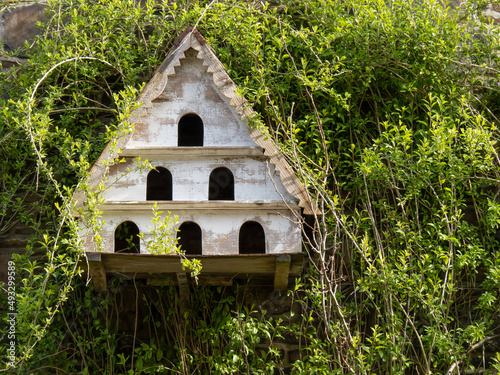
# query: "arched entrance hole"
190 131
221 185
189 236
127 238
159 185
252 239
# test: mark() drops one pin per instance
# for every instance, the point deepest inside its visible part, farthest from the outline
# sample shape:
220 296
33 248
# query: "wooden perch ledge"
221 268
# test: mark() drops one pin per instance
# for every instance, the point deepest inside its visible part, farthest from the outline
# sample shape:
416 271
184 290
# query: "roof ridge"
191 38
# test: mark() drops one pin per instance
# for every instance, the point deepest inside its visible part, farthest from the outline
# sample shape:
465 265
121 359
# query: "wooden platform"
220 268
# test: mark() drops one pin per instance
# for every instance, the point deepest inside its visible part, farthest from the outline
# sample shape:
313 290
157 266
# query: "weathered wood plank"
146 206
217 269
219 281
157 281
205 280
97 271
186 152
212 264
183 286
282 271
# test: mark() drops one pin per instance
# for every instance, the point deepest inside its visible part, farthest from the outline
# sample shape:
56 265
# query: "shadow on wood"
223 268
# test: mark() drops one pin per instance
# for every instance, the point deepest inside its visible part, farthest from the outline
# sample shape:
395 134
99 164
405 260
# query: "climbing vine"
388 113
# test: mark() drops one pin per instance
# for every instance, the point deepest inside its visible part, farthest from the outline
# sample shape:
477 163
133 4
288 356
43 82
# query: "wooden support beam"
97 271
282 271
165 270
183 286
160 281
218 281
207 280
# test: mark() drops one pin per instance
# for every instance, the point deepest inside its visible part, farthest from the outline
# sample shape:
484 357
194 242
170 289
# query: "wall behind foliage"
18 23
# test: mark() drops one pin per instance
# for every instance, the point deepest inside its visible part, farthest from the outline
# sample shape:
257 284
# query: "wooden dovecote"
236 198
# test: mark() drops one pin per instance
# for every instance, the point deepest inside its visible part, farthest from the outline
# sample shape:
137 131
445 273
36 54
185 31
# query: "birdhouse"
236 200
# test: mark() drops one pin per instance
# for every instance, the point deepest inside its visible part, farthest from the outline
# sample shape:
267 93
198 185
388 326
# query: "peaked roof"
191 38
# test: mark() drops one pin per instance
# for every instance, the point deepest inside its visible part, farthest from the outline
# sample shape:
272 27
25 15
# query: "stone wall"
12 240
18 25
492 11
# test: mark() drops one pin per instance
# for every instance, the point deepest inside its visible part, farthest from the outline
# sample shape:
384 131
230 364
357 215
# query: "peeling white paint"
190 179
219 229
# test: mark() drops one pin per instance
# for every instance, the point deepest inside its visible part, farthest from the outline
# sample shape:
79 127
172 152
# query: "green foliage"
161 239
388 111
210 332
